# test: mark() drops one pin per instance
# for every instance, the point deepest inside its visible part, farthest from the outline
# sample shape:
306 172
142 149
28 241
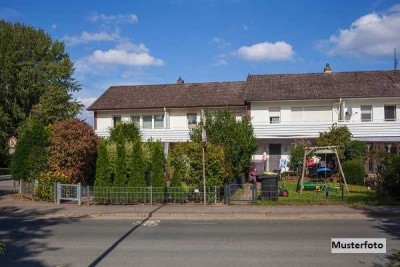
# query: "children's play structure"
315 165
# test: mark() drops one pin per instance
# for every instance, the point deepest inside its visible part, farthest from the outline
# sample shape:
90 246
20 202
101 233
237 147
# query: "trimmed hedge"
354 171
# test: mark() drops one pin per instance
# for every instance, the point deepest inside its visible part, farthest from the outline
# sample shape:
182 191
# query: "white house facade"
283 108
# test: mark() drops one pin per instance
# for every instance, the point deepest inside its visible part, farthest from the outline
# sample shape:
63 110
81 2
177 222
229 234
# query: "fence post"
20 187
87 194
215 195
58 192
55 192
151 195
79 195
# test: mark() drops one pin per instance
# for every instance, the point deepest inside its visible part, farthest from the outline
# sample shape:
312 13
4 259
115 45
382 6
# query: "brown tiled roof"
214 94
322 85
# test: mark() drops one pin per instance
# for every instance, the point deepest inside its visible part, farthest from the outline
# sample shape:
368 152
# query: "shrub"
187 160
235 136
136 166
297 155
157 165
391 178
354 171
73 150
120 165
103 170
356 150
30 157
339 136
127 131
45 186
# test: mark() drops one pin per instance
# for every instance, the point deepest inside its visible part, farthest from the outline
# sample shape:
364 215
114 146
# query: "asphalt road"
90 242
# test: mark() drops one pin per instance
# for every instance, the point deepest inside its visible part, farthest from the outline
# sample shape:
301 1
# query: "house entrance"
274 156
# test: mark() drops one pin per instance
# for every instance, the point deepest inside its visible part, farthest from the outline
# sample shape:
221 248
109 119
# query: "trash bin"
269 186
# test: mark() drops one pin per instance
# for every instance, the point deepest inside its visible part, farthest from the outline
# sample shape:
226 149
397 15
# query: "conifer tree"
157 165
136 166
103 170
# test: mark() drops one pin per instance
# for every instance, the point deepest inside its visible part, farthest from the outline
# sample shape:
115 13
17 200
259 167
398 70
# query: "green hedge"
354 171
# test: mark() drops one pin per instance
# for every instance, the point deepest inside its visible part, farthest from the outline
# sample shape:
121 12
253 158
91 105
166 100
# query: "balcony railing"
164 135
312 129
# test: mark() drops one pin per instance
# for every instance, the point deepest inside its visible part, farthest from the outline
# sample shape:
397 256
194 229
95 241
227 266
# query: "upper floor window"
390 113
366 113
116 120
136 120
148 122
274 115
192 120
158 121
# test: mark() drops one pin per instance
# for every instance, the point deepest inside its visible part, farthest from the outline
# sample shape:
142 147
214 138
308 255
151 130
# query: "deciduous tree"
36 80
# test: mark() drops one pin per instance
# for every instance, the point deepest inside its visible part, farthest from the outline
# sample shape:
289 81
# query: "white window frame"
143 122
274 115
364 109
191 125
395 111
115 121
154 121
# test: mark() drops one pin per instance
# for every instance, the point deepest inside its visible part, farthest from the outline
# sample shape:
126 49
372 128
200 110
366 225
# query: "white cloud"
370 35
130 47
114 19
54 26
266 51
222 43
131 55
86 37
220 60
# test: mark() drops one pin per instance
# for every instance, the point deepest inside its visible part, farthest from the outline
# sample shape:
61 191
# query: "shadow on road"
24 234
388 217
116 243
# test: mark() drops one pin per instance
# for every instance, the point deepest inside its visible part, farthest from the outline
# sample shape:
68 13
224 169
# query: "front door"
274 156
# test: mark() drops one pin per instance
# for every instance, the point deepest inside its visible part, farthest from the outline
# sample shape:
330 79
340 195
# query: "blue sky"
146 42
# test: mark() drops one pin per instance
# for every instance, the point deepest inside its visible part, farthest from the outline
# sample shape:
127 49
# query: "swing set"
324 150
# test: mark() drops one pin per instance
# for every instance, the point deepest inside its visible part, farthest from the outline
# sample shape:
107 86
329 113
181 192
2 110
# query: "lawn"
358 195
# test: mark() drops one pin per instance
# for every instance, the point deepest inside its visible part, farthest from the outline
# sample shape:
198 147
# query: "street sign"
12 142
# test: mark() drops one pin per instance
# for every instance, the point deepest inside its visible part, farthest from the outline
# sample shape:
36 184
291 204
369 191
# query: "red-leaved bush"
73 150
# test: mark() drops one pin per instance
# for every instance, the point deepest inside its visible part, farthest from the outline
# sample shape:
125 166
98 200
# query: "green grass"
358 195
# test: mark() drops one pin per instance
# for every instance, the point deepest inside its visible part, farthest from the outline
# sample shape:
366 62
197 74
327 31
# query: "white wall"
177 117
260 110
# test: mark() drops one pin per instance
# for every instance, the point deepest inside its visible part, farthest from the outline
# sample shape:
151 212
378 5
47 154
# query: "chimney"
327 68
180 81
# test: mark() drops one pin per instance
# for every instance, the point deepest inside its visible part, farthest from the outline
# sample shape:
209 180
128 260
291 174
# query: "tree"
356 150
338 136
157 165
236 137
103 171
297 150
128 131
36 80
73 150
30 157
354 171
136 166
391 178
187 161
120 163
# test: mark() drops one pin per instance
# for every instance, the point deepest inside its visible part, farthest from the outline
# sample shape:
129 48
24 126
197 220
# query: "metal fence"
150 195
27 189
69 192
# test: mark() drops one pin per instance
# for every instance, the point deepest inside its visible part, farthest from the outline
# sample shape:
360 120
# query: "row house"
283 107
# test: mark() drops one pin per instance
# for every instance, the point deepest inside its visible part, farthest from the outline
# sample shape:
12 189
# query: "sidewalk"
192 212
199 212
